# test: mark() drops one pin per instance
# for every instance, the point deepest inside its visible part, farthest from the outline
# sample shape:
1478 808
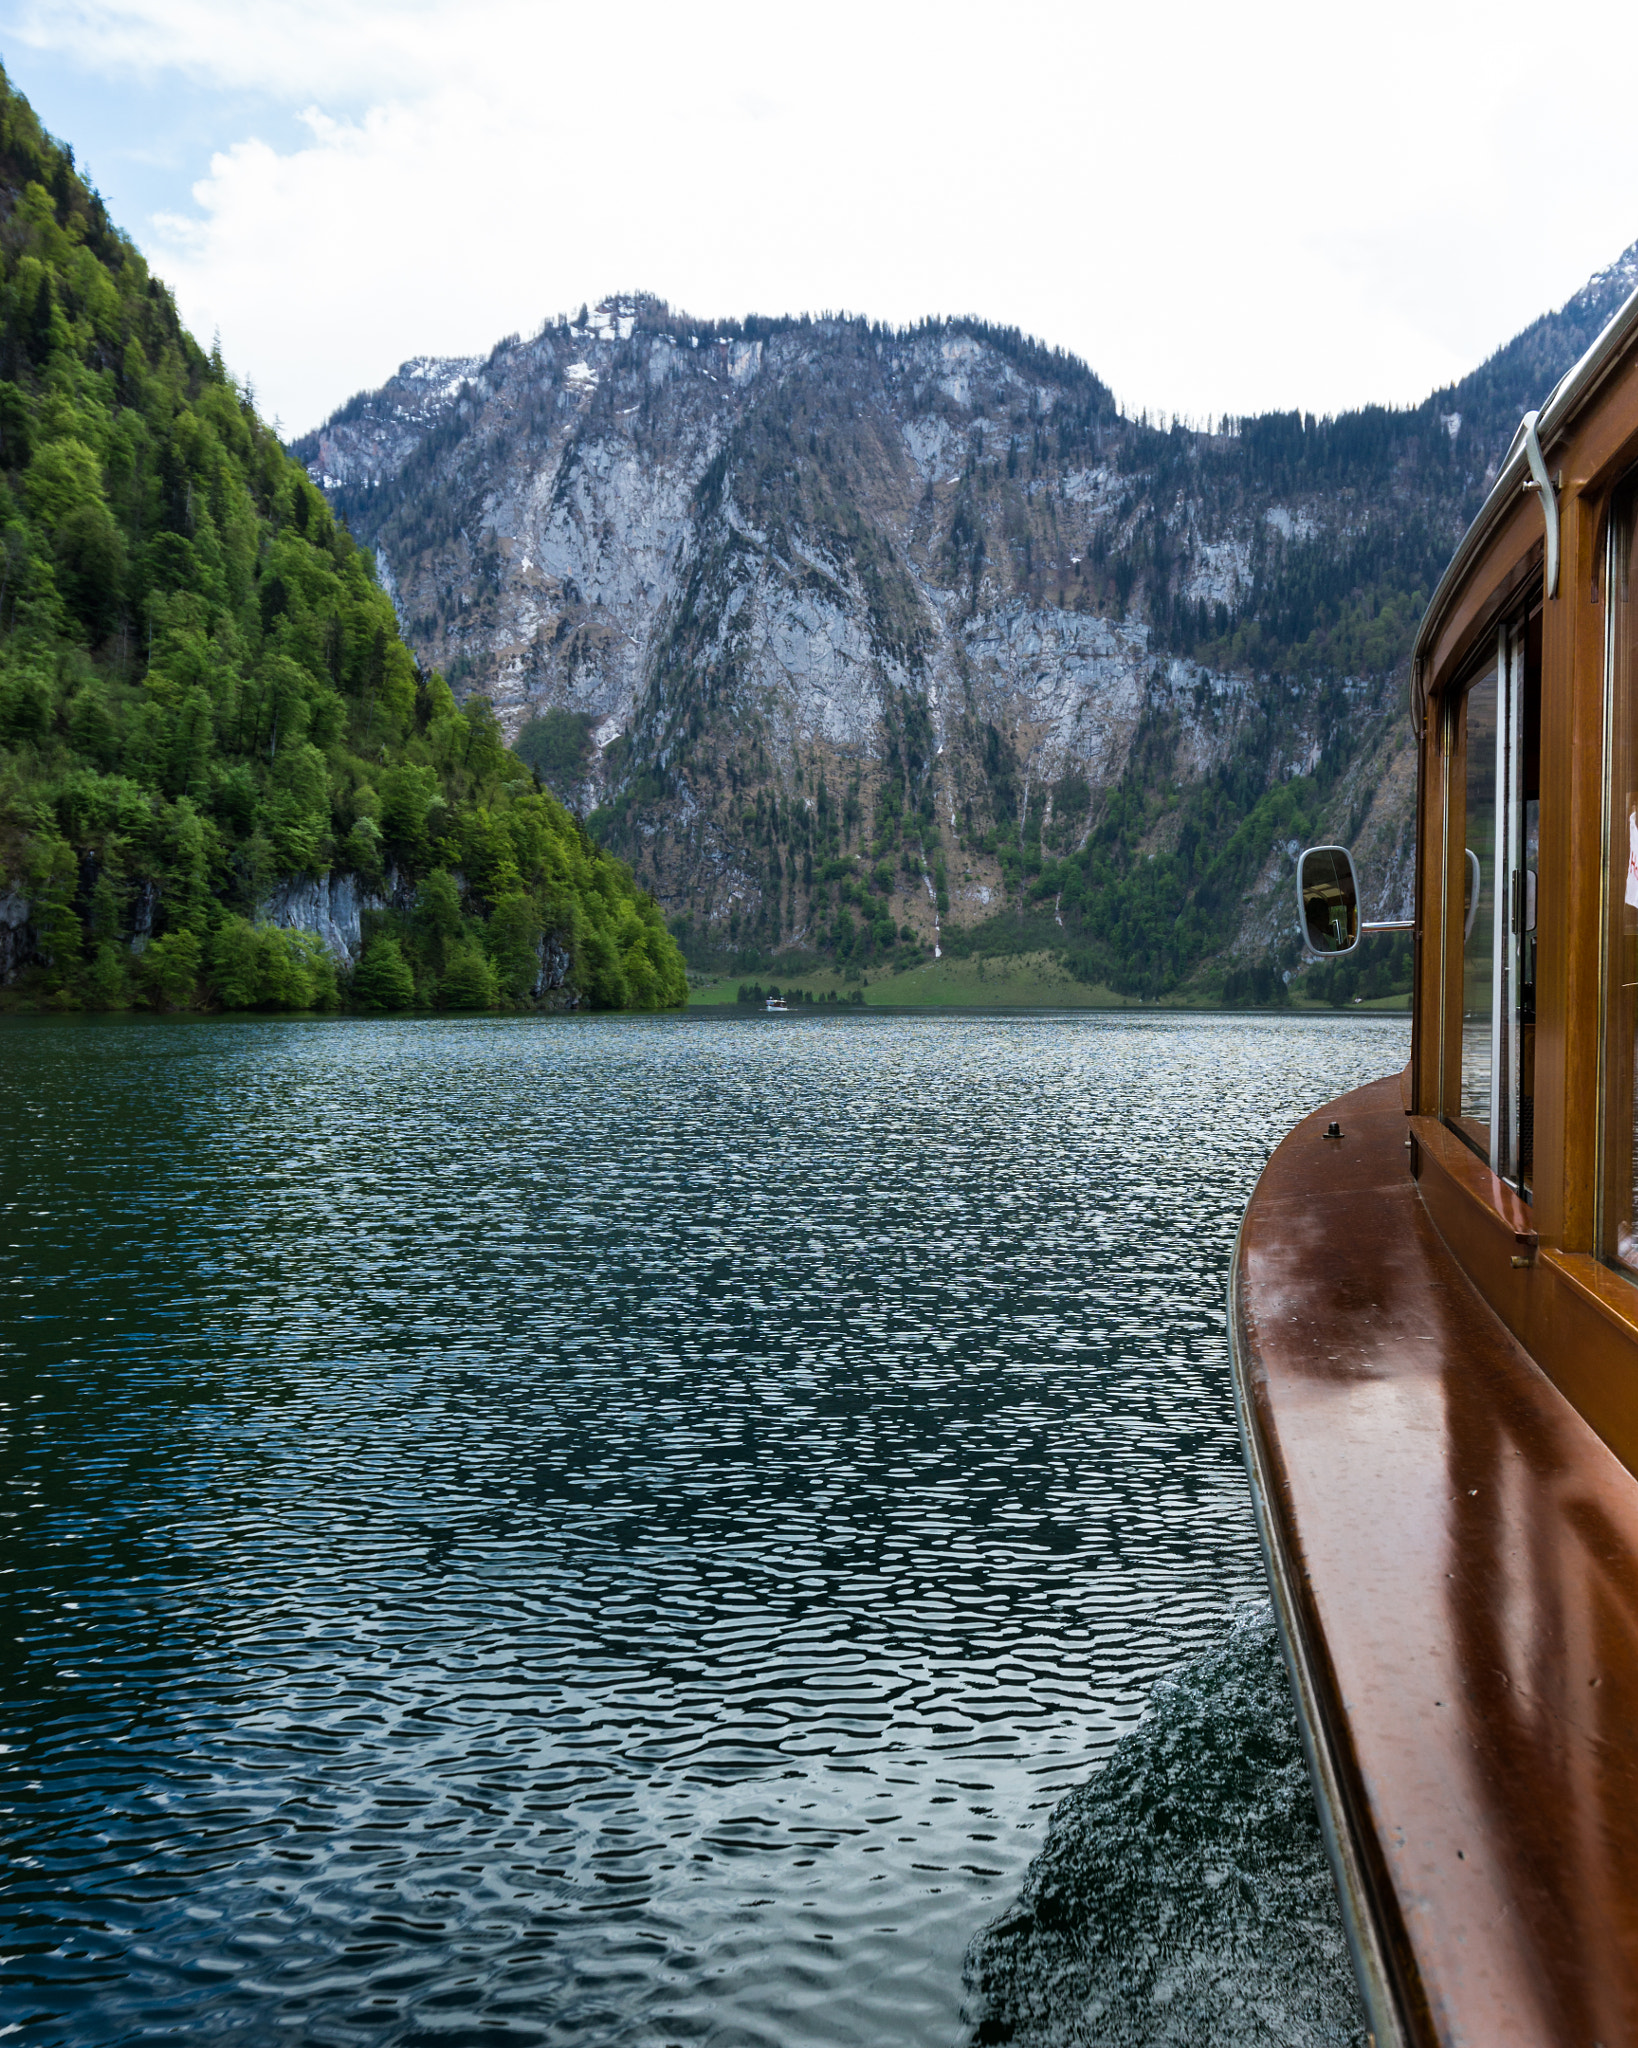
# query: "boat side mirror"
1328 899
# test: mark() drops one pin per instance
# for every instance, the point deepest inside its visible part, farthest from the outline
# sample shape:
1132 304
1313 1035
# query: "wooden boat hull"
1454 1557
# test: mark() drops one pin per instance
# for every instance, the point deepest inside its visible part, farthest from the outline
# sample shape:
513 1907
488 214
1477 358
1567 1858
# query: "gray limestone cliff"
823 617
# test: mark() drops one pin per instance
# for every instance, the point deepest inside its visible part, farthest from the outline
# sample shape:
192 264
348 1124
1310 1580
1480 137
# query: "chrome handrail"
1540 481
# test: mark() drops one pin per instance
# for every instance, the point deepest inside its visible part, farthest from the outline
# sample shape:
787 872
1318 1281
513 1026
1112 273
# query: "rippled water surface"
598 1529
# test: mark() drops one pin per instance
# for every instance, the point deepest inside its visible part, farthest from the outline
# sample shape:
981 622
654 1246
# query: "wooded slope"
206 708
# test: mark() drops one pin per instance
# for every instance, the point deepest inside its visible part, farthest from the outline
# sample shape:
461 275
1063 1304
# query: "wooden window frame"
1604 1163
1492 649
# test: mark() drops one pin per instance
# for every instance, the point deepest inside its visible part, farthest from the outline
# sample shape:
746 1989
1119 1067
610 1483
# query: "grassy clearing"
1015 981
1021 981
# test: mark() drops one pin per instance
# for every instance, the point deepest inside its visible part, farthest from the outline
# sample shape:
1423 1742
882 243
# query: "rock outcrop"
331 907
16 936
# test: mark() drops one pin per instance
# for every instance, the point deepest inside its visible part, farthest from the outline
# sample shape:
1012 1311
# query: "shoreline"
1026 981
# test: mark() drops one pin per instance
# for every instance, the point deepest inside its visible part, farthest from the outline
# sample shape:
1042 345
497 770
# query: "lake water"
605 1529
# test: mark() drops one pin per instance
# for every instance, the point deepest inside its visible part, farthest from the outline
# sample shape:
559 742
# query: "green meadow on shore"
1020 981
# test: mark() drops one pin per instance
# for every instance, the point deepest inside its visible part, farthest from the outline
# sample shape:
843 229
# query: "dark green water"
603 1530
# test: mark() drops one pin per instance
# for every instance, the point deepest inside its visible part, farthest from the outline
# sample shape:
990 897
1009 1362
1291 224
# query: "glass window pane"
1479 913
1621 1041
1527 830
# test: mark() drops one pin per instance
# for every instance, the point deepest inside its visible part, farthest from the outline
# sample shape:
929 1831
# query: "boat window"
1527 863
1478 883
1493 819
1620 1205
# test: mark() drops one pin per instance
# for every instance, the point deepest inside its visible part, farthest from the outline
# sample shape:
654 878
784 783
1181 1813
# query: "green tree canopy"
204 696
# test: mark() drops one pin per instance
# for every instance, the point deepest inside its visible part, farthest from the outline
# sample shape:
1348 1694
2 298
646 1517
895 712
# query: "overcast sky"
1221 208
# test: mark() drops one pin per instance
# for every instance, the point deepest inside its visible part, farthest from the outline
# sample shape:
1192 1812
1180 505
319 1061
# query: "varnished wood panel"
1498 579
1578 1320
1572 772
1461 1549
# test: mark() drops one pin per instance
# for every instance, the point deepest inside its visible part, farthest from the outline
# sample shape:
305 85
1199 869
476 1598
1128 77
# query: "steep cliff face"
873 638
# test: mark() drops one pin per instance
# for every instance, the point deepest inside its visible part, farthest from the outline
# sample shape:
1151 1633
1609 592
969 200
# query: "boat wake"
1183 1894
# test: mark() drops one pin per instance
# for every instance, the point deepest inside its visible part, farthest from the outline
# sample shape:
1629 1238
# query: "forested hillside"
224 779
862 643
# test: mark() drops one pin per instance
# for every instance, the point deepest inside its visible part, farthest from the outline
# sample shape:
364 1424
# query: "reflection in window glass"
1479 913
1621 1042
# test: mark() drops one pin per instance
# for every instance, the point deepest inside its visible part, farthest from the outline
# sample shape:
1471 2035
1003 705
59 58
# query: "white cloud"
1221 210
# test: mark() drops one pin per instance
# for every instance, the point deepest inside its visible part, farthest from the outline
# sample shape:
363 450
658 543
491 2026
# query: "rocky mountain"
869 643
